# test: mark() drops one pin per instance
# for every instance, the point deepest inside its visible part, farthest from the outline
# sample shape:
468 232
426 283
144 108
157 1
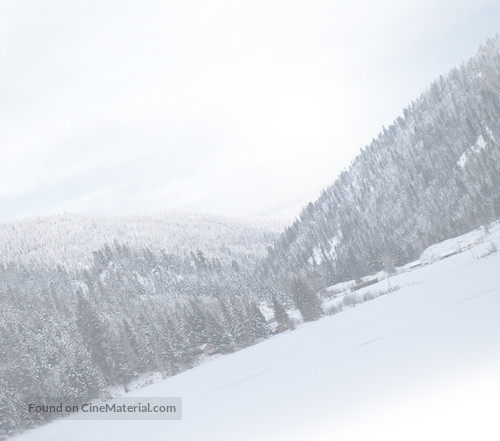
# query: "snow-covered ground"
436 260
420 363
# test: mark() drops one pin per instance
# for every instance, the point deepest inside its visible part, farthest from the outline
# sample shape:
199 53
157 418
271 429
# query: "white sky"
232 107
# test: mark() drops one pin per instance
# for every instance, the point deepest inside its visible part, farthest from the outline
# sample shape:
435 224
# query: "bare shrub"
368 296
333 309
492 250
350 300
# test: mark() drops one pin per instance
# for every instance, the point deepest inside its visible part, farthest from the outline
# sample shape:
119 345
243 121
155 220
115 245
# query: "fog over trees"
81 313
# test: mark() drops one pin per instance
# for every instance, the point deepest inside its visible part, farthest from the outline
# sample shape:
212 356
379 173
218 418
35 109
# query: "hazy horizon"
222 108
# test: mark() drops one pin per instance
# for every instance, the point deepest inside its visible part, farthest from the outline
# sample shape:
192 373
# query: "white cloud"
219 106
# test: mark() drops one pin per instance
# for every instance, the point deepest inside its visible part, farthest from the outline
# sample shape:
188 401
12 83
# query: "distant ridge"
69 239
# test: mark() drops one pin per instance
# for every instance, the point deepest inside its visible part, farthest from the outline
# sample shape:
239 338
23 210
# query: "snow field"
418 363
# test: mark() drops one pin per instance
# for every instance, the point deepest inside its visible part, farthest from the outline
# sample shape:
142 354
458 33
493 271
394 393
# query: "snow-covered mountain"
70 239
91 303
433 174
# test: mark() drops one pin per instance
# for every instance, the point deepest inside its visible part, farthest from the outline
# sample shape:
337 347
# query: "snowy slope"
69 239
420 363
436 260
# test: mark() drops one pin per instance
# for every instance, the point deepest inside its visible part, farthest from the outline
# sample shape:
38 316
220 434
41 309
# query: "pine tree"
306 300
236 325
280 314
218 335
93 334
256 326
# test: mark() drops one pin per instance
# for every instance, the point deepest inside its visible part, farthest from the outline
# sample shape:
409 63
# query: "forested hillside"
433 174
69 239
88 302
131 312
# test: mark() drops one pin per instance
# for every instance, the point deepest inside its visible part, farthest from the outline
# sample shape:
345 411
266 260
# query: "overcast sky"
232 107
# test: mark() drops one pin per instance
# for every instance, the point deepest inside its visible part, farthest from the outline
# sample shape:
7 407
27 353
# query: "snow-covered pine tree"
255 324
306 299
280 314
